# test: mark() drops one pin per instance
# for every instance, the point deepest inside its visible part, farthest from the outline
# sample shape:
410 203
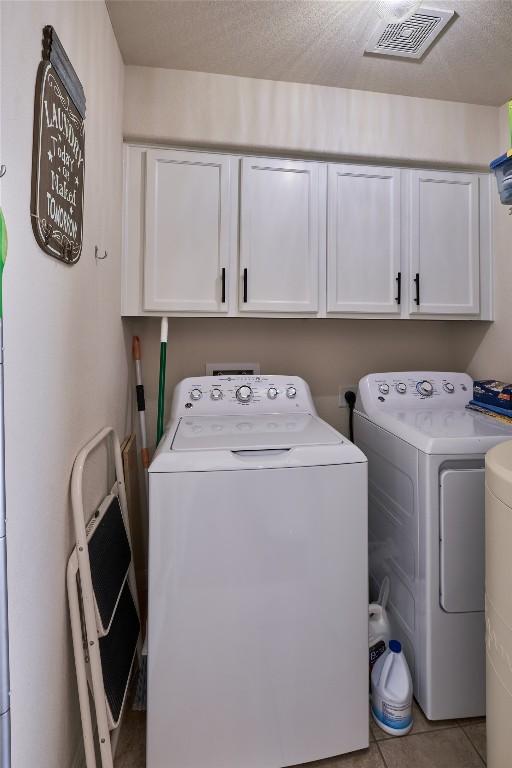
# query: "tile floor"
441 744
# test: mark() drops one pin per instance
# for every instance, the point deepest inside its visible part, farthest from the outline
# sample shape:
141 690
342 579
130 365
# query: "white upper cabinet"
215 234
279 236
444 243
187 237
363 239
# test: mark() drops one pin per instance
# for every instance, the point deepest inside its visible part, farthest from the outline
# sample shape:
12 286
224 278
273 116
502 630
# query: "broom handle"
141 402
164 331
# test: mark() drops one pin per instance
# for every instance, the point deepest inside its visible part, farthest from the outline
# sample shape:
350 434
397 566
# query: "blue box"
496 393
502 168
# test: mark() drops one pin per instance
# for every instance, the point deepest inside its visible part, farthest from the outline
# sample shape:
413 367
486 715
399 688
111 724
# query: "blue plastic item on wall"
502 168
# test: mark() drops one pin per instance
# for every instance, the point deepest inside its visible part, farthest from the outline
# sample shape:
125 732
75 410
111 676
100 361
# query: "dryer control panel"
412 390
250 393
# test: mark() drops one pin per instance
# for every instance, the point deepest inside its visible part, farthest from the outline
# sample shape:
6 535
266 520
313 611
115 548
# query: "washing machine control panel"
229 394
414 389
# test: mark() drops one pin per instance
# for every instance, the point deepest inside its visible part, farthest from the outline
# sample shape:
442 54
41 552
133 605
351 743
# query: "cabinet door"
363 239
444 247
187 231
279 224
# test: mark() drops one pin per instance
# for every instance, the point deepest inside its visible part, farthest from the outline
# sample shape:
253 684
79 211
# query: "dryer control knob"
448 387
244 394
291 392
425 388
216 394
384 389
272 393
196 394
401 388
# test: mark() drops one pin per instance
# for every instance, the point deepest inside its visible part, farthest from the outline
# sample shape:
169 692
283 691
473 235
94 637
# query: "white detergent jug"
392 692
379 630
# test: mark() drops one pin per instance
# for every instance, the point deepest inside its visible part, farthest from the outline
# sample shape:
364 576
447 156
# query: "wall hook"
97 256
3 170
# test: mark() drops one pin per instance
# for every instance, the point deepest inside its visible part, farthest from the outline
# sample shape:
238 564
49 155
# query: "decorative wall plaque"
58 161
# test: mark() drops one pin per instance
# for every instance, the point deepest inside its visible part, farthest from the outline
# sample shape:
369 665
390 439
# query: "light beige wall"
194 108
327 353
174 106
492 356
66 369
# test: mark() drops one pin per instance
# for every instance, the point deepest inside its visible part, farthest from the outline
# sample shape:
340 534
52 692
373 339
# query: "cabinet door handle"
417 282
223 278
245 285
398 279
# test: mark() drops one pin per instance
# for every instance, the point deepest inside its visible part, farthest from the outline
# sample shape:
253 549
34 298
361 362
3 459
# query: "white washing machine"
426 489
258 629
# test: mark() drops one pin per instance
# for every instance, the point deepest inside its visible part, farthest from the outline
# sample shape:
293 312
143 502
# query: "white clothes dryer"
426 491
258 630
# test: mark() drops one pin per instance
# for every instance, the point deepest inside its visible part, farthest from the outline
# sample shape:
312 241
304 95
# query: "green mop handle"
161 379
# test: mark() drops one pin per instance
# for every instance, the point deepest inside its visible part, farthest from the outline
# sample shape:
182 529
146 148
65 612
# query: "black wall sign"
58 161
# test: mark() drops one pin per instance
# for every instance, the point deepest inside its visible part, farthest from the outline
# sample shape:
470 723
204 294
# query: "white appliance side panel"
393 533
258 637
462 535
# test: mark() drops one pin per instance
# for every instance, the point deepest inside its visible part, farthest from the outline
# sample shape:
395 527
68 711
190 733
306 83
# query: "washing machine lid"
212 443
428 410
444 431
253 432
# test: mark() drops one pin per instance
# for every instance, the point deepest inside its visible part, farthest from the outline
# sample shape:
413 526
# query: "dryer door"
462 545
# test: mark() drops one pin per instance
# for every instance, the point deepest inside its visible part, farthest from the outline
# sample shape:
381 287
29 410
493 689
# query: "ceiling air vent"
410 38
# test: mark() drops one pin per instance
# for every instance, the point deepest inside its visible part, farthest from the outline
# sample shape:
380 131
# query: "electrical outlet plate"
232 369
342 403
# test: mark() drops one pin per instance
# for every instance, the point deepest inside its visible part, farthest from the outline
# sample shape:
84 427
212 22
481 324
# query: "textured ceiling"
322 42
